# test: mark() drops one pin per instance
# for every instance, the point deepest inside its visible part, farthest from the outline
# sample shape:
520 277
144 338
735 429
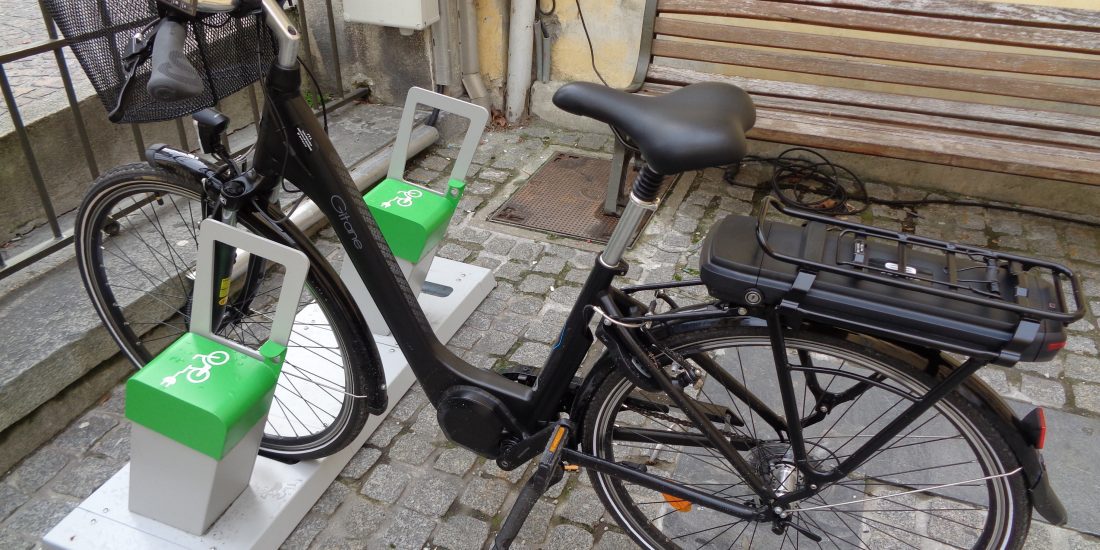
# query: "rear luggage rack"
990 288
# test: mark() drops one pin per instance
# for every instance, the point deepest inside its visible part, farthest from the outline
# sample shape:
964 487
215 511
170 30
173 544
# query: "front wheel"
136 244
895 499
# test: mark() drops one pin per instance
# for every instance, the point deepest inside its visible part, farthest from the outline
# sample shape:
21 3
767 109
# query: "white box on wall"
404 14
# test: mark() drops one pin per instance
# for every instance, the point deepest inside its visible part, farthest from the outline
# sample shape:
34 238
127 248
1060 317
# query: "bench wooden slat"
878 49
1065 122
973 31
928 146
971 10
913 120
879 72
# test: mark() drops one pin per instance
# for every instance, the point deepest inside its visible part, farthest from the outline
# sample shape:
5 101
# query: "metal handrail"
54 43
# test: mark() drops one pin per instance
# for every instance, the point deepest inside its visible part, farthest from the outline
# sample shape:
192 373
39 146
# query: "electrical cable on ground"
818 184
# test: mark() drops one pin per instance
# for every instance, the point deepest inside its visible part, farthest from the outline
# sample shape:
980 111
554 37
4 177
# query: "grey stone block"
534 529
409 404
10 499
432 495
536 284
466 337
38 469
409 530
495 343
527 305
565 295
38 517
1045 392
453 251
500 245
80 436
582 506
610 540
116 444
512 271
305 532
526 251
461 533
361 463
359 518
1087 397
411 448
331 499
568 537
455 460
511 323
385 433
530 353
552 265
83 478
386 483
485 494
494 175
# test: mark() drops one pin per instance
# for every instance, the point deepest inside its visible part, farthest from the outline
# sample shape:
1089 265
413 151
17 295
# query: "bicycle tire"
953 516
124 235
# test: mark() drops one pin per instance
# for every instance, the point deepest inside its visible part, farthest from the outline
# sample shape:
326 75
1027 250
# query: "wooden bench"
962 99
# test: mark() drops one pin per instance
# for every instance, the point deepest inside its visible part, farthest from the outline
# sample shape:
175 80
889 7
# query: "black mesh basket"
228 52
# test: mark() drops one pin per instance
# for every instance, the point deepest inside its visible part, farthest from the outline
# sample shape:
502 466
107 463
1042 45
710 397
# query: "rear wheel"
136 242
895 499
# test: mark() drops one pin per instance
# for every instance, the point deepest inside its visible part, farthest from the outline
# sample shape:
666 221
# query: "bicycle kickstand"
548 472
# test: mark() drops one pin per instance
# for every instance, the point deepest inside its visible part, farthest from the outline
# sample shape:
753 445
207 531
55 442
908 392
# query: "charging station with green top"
411 217
199 407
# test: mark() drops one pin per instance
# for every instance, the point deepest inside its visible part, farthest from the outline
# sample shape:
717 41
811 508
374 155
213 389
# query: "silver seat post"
285 33
643 197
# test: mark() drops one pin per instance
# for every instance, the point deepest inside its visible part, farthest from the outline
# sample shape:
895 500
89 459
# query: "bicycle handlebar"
173 77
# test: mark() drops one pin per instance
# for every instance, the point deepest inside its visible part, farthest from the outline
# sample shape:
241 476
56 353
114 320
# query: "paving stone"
116 444
565 295
568 537
582 506
471 235
455 460
1040 391
995 379
385 433
411 448
329 541
610 540
39 516
360 518
530 353
526 305
511 323
432 495
536 284
1087 397
305 532
461 533
1081 367
331 499
12 540
455 252
409 530
552 265
1080 344
479 360
10 499
466 337
470 203
496 343
485 494
593 141
361 463
386 483
526 251
500 245
435 163
83 478
512 271
427 425
409 404
81 434
494 175
548 327
38 469
503 291
486 262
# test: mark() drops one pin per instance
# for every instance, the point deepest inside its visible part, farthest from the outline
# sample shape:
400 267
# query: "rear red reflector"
1042 430
1055 346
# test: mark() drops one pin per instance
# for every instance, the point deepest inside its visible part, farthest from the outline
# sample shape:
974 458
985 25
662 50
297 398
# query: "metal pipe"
471 61
442 70
521 45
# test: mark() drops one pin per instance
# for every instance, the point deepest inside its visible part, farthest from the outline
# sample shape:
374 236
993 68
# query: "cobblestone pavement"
35 81
410 488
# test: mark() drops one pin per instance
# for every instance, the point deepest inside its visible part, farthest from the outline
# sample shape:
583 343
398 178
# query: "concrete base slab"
279 494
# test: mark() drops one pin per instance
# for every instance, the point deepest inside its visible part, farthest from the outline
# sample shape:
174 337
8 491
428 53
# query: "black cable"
591 50
320 94
828 188
433 118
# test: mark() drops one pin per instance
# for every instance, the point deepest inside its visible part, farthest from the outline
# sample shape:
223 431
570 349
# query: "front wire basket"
228 51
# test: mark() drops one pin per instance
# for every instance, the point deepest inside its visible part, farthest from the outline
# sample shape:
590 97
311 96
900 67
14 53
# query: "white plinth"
278 495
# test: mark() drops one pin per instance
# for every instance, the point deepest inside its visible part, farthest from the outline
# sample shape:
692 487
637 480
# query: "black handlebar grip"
173 77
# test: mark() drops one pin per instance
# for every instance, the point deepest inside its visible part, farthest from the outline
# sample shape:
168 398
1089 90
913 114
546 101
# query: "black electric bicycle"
816 401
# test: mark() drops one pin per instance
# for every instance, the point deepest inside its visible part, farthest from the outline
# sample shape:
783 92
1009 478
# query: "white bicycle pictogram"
198 375
403 198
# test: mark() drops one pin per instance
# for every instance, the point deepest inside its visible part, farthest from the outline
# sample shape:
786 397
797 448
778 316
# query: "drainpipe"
471 63
521 43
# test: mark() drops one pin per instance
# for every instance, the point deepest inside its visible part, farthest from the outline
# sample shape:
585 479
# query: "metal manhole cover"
564 197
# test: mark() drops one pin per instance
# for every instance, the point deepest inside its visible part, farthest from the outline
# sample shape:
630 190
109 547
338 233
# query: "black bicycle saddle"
697 126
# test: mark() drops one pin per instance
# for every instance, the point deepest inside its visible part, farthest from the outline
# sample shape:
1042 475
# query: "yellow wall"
615 29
